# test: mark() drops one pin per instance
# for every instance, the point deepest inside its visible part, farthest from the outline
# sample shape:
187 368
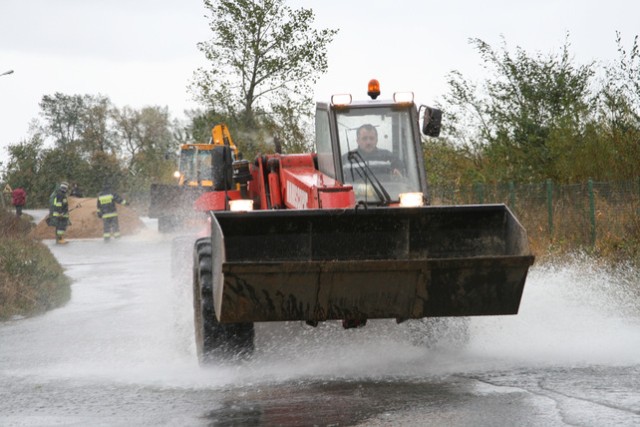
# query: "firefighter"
107 200
76 191
59 211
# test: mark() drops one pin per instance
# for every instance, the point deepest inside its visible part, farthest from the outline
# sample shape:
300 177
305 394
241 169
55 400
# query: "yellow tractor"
200 170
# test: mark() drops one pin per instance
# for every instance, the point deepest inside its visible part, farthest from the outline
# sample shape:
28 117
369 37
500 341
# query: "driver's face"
367 140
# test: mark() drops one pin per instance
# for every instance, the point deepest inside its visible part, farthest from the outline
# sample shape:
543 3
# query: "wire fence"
588 214
577 215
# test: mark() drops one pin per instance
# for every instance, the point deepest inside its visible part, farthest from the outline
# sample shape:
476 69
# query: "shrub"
31 279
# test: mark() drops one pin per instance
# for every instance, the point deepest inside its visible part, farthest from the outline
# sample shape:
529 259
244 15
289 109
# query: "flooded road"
121 353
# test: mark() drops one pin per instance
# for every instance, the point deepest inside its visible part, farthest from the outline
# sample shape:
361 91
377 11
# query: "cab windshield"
187 164
379 142
195 164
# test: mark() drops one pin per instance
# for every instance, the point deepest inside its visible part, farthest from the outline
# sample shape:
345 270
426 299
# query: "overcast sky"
143 52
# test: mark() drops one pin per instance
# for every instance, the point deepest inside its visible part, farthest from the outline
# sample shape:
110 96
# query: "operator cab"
374 146
195 167
204 164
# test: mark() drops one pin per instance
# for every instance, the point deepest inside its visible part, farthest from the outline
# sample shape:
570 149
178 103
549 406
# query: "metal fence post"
512 196
550 205
638 209
592 211
480 193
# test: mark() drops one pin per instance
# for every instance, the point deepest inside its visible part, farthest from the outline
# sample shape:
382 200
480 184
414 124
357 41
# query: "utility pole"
2 201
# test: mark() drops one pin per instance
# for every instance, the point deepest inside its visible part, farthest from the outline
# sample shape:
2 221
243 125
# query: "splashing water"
575 313
130 321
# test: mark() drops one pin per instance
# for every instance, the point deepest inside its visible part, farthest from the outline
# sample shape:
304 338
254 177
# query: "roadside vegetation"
540 118
598 219
31 279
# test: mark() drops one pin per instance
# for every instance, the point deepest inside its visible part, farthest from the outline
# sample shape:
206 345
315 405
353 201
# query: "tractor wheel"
215 341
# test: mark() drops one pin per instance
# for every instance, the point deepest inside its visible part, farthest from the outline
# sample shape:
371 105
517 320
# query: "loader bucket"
401 263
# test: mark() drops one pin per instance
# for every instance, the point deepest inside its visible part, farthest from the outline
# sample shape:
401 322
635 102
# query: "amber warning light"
373 89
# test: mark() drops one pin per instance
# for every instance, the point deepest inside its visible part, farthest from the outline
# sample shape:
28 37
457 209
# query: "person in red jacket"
18 199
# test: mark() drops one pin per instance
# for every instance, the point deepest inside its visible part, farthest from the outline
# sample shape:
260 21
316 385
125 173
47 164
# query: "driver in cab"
367 139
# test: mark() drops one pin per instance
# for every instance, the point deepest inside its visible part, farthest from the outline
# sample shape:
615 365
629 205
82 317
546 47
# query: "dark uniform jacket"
60 205
377 157
107 204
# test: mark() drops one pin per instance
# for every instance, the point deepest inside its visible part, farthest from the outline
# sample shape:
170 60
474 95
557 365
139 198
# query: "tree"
77 122
261 52
146 138
23 168
531 110
105 169
38 169
200 124
95 130
59 164
623 82
93 142
63 117
619 111
126 123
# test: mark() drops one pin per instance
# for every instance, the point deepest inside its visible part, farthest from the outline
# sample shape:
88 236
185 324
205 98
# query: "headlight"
241 205
341 100
403 97
411 200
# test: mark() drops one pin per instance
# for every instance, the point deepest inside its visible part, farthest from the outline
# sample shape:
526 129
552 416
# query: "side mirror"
432 121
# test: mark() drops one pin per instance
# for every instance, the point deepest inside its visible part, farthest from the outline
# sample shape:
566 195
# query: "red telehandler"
338 235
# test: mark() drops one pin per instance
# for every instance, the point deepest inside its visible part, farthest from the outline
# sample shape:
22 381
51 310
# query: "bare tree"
261 52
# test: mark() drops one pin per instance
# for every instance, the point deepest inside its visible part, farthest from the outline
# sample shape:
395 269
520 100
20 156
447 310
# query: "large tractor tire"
215 341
